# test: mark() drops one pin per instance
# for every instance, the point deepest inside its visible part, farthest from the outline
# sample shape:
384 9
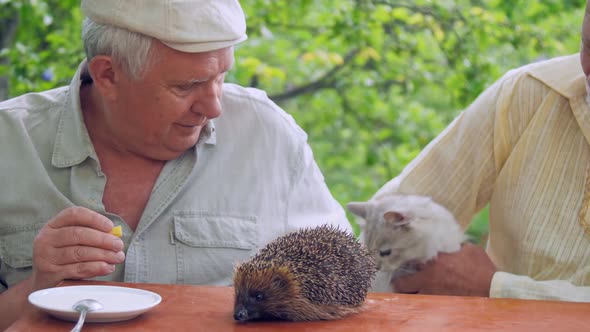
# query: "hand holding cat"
467 272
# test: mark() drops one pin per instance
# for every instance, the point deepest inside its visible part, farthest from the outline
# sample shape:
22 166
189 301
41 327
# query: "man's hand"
75 244
467 272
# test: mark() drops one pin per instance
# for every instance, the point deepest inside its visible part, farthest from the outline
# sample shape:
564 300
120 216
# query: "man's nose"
208 103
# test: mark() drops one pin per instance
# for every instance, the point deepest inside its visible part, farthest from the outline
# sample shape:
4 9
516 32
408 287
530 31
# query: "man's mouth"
196 124
202 120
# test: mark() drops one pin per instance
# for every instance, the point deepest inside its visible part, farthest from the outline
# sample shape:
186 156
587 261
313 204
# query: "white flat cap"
185 25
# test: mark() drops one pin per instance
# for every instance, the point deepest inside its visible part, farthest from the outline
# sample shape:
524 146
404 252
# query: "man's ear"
104 75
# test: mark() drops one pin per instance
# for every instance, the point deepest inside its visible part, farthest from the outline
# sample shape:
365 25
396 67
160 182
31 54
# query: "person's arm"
468 272
458 169
506 285
310 201
75 244
13 301
455 274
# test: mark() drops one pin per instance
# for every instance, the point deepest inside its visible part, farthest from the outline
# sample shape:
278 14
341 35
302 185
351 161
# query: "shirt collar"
208 135
568 79
564 77
73 144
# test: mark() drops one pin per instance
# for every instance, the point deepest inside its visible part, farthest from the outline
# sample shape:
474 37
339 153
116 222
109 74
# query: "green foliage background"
371 81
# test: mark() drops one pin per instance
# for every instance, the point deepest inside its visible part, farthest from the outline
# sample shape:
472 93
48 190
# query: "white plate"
120 303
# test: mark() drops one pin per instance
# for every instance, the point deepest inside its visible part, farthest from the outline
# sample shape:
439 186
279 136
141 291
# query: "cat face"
387 233
392 241
401 230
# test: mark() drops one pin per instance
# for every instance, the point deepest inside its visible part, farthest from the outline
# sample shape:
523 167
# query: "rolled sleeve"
506 285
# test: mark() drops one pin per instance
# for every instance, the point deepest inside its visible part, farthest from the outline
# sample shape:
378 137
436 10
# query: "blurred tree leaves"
46 47
371 81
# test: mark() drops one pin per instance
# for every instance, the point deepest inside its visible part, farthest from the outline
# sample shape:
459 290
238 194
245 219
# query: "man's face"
161 114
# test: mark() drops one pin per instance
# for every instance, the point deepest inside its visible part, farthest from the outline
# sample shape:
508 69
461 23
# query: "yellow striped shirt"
523 147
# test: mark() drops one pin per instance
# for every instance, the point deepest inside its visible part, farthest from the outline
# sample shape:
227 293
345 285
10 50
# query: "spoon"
84 307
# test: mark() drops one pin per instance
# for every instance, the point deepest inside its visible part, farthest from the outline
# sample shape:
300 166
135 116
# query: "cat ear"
395 219
358 208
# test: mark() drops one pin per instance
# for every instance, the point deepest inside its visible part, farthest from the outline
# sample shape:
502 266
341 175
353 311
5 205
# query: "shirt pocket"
16 245
16 252
208 246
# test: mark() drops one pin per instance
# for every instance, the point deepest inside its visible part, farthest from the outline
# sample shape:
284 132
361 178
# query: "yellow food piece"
117 231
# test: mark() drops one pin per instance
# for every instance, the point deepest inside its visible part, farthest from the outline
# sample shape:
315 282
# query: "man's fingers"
78 226
409 284
90 237
75 236
86 270
81 254
75 244
75 262
413 265
80 216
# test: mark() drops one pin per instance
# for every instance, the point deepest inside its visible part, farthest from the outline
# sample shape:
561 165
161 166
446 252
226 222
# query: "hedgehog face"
250 305
260 293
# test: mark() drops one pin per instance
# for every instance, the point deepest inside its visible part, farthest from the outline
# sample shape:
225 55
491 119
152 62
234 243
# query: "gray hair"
128 49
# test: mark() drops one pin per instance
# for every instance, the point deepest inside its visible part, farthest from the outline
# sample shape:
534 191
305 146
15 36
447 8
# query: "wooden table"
201 308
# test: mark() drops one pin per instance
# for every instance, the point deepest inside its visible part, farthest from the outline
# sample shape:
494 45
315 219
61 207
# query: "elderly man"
147 136
523 147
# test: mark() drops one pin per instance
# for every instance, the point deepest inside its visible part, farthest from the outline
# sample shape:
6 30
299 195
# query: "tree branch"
327 80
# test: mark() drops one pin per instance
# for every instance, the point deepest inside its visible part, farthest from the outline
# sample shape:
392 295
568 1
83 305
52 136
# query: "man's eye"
185 87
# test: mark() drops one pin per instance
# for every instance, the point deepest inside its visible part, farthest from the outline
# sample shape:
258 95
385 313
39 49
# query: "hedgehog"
319 273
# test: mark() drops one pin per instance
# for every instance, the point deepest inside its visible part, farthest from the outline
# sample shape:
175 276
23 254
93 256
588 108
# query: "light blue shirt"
250 178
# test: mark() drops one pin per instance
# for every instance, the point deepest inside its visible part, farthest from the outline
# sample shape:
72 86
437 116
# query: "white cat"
404 229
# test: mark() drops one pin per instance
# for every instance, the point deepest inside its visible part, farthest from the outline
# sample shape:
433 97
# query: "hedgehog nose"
241 314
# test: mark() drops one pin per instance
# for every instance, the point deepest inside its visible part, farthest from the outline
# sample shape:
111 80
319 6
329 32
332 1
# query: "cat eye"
385 252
